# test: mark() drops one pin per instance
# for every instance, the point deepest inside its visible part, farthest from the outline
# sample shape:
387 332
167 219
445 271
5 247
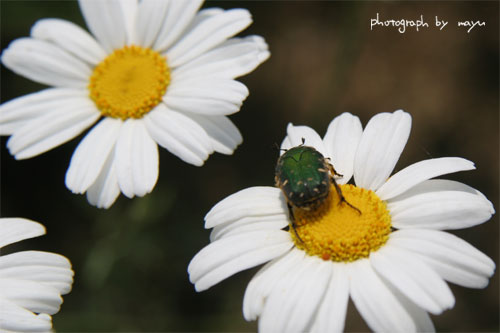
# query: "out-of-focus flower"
31 282
154 72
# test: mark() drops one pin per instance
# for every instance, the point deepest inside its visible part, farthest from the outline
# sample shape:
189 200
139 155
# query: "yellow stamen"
335 231
129 82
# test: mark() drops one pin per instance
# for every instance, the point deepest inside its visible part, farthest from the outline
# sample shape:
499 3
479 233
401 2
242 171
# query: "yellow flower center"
335 231
129 82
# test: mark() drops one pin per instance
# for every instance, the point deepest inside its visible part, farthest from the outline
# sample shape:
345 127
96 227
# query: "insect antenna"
277 147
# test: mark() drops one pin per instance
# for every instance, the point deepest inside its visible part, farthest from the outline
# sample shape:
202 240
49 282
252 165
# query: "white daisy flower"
31 282
154 72
392 259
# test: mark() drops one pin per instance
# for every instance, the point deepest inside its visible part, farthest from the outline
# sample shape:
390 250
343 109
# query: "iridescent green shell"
303 175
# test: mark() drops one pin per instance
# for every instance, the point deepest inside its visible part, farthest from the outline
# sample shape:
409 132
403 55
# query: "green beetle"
305 177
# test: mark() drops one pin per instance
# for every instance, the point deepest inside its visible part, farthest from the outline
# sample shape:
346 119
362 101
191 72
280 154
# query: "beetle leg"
292 221
333 171
342 198
339 191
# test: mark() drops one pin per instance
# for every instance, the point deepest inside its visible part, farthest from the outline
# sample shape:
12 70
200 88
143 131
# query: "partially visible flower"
391 257
31 282
157 72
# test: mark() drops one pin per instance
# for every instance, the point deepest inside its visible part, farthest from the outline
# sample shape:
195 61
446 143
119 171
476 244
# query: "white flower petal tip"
341 142
31 282
381 145
214 97
249 223
253 201
136 159
105 190
434 206
298 135
207 33
224 136
263 49
413 278
451 257
69 37
51 129
45 63
180 134
18 229
215 263
421 171
91 154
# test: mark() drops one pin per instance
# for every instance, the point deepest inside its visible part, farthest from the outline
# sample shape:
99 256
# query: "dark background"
130 260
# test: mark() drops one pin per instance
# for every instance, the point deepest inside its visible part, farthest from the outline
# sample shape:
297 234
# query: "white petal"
420 317
47 268
150 17
303 135
382 142
14 318
266 280
452 258
291 306
55 127
213 97
17 229
104 191
225 257
250 223
107 21
178 16
34 296
233 58
413 278
253 201
440 210
179 134
19 111
285 145
45 63
69 37
207 34
89 157
129 9
224 136
440 185
419 172
341 143
378 306
333 309
136 159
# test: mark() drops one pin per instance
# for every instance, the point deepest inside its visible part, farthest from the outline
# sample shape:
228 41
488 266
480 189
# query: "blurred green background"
130 260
